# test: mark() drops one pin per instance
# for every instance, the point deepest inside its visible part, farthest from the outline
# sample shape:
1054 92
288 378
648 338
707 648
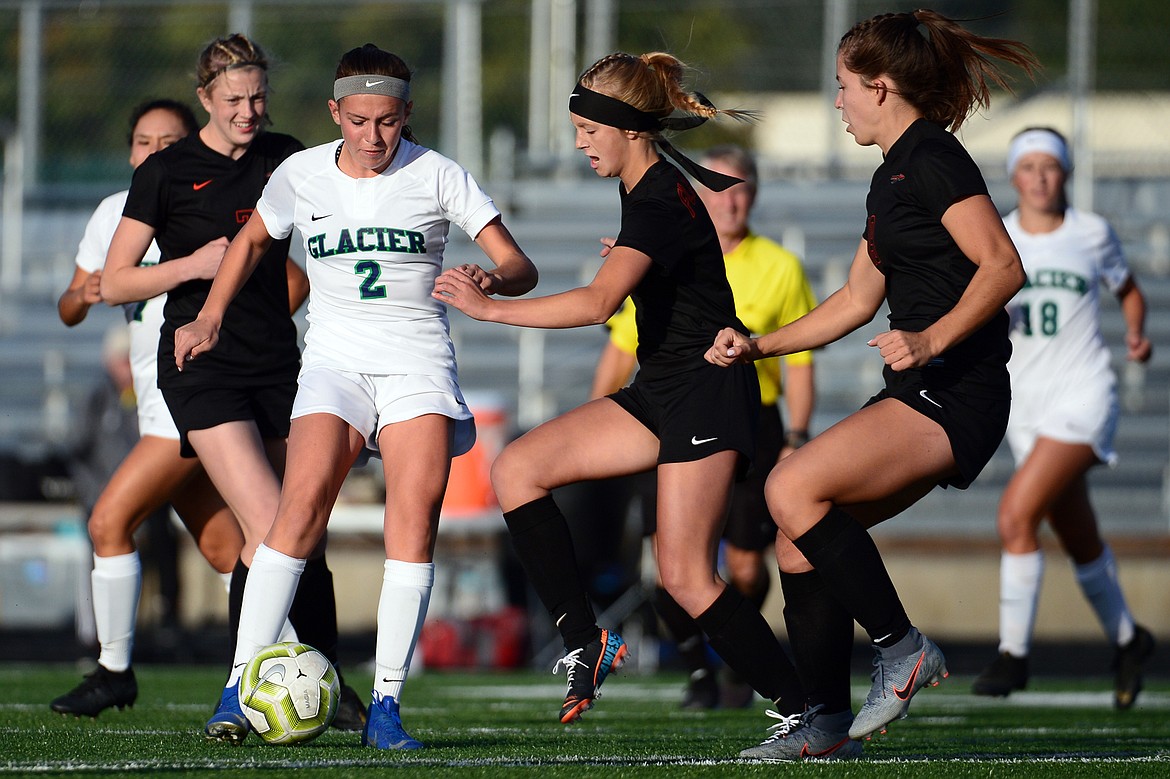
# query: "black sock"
852 568
759 593
743 638
314 609
692 647
820 632
236 601
542 541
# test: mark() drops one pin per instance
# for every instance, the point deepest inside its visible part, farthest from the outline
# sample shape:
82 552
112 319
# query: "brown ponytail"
938 67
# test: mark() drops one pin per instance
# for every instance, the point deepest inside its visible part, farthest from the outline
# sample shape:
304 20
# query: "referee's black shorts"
200 408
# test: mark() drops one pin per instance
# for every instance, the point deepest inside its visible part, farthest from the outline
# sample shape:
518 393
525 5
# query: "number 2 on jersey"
370 289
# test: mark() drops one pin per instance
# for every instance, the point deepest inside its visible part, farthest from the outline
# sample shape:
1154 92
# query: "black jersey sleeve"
944 174
653 229
147 201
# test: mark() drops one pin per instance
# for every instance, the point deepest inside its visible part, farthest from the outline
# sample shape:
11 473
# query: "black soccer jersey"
191 195
684 299
924 173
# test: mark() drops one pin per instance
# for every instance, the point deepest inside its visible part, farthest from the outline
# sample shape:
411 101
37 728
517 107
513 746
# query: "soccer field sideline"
1060 728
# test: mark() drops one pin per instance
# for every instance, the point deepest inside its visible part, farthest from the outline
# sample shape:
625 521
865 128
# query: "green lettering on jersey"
389 240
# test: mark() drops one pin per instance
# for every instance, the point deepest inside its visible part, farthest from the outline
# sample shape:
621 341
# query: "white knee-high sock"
1099 583
1019 592
268 595
402 607
117 583
287 631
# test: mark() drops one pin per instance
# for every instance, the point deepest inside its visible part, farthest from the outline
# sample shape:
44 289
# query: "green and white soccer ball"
289 693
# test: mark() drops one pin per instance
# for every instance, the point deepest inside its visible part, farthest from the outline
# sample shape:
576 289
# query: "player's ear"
335 111
204 98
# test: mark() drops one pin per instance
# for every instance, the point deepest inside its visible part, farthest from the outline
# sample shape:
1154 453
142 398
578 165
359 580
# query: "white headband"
1044 141
371 85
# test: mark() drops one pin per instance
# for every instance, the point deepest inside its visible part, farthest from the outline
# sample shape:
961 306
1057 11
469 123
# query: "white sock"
1019 592
117 583
402 607
268 595
1099 583
226 578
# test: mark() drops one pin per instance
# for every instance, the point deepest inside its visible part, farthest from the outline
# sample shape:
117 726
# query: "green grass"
494 724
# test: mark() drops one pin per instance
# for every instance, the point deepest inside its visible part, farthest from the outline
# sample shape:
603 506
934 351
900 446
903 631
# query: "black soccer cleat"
103 689
1129 663
702 691
1005 674
351 712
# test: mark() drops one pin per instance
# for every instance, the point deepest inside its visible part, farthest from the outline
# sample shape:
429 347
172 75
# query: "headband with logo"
371 85
1038 140
612 112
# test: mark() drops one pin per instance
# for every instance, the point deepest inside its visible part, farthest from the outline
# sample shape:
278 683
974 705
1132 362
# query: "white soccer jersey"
144 318
1062 383
374 247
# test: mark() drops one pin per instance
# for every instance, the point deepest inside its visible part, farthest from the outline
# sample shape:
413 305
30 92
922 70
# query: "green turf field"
497 724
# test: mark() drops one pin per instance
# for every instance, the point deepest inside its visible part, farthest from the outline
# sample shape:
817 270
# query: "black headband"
612 112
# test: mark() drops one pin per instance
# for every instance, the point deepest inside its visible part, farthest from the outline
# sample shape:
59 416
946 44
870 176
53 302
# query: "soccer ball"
289 693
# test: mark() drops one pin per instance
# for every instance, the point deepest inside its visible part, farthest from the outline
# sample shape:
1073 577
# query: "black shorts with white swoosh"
698 413
973 415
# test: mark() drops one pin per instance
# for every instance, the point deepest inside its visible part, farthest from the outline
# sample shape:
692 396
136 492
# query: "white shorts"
368 402
154 418
1082 414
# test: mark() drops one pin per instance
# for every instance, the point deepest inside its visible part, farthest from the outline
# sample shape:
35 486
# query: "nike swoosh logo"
908 690
314 217
695 440
388 680
929 399
805 752
374 83
200 185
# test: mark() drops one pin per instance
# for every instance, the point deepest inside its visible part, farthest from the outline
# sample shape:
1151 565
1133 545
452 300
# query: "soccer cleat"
1005 674
898 672
734 692
100 690
1129 662
809 735
587 668
384 726
228 723
351 712
702 691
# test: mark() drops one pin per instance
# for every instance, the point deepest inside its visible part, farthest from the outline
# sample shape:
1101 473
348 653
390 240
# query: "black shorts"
699 413
974 418
200 408
749 525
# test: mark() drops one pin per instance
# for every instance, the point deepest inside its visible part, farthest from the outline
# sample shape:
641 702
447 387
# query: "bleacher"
47 368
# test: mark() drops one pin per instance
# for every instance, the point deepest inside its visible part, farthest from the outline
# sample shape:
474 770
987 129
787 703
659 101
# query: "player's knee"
1014 526
109 530
508 471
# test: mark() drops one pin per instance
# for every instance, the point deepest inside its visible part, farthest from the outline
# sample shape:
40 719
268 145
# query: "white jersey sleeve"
99 231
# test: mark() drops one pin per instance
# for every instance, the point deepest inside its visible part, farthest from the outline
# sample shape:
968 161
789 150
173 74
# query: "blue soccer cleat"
384 726
228 723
